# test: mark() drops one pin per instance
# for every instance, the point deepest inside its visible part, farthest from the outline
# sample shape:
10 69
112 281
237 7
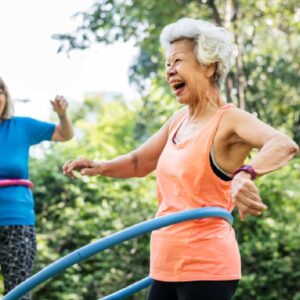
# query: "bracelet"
248 169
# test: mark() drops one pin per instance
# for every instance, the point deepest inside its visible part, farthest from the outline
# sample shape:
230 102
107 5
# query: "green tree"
270 244
73 213
264 80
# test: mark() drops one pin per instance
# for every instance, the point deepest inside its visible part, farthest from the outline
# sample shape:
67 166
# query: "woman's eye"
177 60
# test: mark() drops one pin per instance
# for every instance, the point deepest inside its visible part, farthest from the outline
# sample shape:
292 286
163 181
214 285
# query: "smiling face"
2 102
185 75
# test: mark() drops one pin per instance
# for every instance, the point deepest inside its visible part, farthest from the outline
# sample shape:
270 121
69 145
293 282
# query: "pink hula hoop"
10 182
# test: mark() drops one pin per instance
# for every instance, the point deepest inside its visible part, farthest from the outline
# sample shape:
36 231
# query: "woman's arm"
276 150
137 163
63 130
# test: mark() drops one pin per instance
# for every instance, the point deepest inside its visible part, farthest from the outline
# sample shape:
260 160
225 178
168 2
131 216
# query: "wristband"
246 168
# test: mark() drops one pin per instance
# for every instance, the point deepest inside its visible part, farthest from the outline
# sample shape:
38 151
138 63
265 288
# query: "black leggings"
17 253
192 290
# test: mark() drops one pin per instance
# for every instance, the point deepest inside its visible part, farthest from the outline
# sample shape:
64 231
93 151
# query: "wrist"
100 166
246 171
62 116
242 174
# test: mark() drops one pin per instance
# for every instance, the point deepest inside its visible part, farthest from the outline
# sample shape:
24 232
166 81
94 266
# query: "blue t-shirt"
16 136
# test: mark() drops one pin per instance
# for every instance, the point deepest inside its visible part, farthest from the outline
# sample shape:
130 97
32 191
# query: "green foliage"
74 212
267 33
270 244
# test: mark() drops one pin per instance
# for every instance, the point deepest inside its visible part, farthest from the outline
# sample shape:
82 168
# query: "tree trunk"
230 22
239 58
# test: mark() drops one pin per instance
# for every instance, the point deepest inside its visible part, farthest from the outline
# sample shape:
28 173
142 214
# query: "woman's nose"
171 70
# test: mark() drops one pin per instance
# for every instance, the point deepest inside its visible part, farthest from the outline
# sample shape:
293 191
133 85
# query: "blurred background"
104 56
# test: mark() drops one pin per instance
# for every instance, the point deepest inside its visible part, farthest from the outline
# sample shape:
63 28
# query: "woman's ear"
210 70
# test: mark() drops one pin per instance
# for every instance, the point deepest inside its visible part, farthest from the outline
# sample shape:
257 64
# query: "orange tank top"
193 250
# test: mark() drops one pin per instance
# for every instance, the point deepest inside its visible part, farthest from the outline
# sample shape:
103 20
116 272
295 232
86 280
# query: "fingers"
246 197
245 210
66 170
76 165
249 198
243 215
244 184
59 104
250 208
90 171
82 165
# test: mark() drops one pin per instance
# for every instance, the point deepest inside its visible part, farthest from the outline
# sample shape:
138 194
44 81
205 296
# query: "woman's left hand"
246 196
60 106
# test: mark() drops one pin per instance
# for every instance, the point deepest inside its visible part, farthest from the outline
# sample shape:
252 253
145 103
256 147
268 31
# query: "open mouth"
178 86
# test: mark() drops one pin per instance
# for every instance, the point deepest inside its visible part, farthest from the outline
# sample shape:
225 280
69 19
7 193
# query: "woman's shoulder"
178 115
21 118
27 122
173 120
238 114
14 120
234 117
25 119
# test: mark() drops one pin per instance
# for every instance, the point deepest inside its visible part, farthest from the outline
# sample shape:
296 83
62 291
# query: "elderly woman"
17 230
198 157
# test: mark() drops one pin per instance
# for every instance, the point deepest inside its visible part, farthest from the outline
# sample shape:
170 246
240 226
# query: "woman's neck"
207 103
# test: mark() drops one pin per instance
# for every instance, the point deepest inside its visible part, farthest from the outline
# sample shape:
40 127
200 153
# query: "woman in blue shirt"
17 218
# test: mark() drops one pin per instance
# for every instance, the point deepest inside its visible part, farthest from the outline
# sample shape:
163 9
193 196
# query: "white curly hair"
213 44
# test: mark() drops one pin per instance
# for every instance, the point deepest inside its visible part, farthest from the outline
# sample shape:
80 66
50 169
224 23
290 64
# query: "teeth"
176 82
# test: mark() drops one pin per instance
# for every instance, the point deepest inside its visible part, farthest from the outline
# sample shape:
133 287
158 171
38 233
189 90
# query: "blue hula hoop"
114 239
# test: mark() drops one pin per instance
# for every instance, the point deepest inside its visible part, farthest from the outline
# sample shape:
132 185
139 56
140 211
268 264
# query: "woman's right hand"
246 196
84 166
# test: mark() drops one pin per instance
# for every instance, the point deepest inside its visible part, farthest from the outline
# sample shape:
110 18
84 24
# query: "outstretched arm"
137 163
